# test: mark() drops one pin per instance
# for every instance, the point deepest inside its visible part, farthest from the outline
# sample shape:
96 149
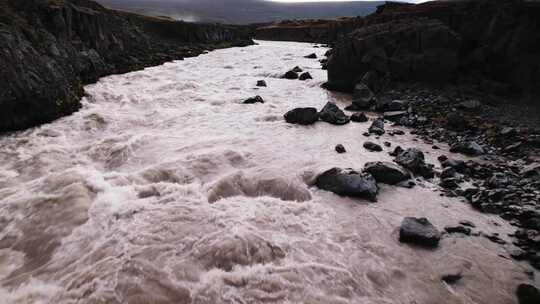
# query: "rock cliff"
50 48
495 44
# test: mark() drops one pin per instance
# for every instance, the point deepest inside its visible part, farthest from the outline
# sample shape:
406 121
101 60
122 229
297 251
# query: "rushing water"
164 188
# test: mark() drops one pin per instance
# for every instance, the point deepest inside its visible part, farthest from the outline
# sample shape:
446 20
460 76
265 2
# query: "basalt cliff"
50 48
493 45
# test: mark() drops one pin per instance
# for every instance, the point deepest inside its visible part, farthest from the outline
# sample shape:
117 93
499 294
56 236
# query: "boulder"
458 229
291 75
359 117
252 100
363 97
413 159
261 83
387 172
347 182
340 149
470 148
302 116
371 146
311 56
528 294
377 127
297 69
394 115
333 114
419 231
305 76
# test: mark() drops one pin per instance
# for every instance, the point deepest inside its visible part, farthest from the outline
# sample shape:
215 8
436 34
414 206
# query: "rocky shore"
51 48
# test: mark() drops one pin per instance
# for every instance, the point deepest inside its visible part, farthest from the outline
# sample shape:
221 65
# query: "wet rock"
333 114
387 144
449 183
297 69
311 56
252 100
455 164
467 223
413 159
452 276
340 149
359 117
458 229
291 75
448 172
394 115
397 150
377 127
363 97
470 148
302 116
305 76
528 294
387 172
371 146
419 231
347 182
261 83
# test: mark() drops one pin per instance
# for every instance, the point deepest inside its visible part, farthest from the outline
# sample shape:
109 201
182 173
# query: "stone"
302 116
377 127
363 97
291 75
305 76
387 172
333 114
458 229
297 69
359 117
528 294
252 100
413 159
340 149
470 105
419 231
347 182
371 146
452 277
311 56
531 171
470 148
261 83
394 115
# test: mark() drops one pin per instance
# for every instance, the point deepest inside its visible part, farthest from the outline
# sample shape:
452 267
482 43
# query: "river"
165 188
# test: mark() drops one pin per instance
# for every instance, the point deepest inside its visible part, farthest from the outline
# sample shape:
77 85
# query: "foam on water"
165 188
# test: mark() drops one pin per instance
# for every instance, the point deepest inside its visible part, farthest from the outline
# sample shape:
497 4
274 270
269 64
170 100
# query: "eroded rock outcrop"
50 49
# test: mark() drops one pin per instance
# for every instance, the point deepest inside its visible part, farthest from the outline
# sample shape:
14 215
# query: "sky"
413 1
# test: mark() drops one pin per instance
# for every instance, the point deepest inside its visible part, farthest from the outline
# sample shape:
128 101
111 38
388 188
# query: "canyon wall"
50 48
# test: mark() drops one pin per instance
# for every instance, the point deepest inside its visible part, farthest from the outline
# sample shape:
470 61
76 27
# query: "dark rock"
377 127
394 115
470 105
305 76
311 56
359 117
456 121
347 182
302 116
252 100
442 158
449 183
387 144
387 172
333 114
468 148
363 97
297 69
452 277
413 159
340 149
261 83
528 294
467 223
371 146
448 172
397 150
455 164
458 229
419 231
531 171
291 75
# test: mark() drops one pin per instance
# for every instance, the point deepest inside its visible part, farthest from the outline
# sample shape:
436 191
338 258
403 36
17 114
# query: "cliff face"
321 31
50 48
495 42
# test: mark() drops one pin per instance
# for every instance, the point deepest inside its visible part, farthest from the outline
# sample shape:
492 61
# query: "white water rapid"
165 188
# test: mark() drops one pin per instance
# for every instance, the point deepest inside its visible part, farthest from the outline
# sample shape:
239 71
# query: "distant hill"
242 11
